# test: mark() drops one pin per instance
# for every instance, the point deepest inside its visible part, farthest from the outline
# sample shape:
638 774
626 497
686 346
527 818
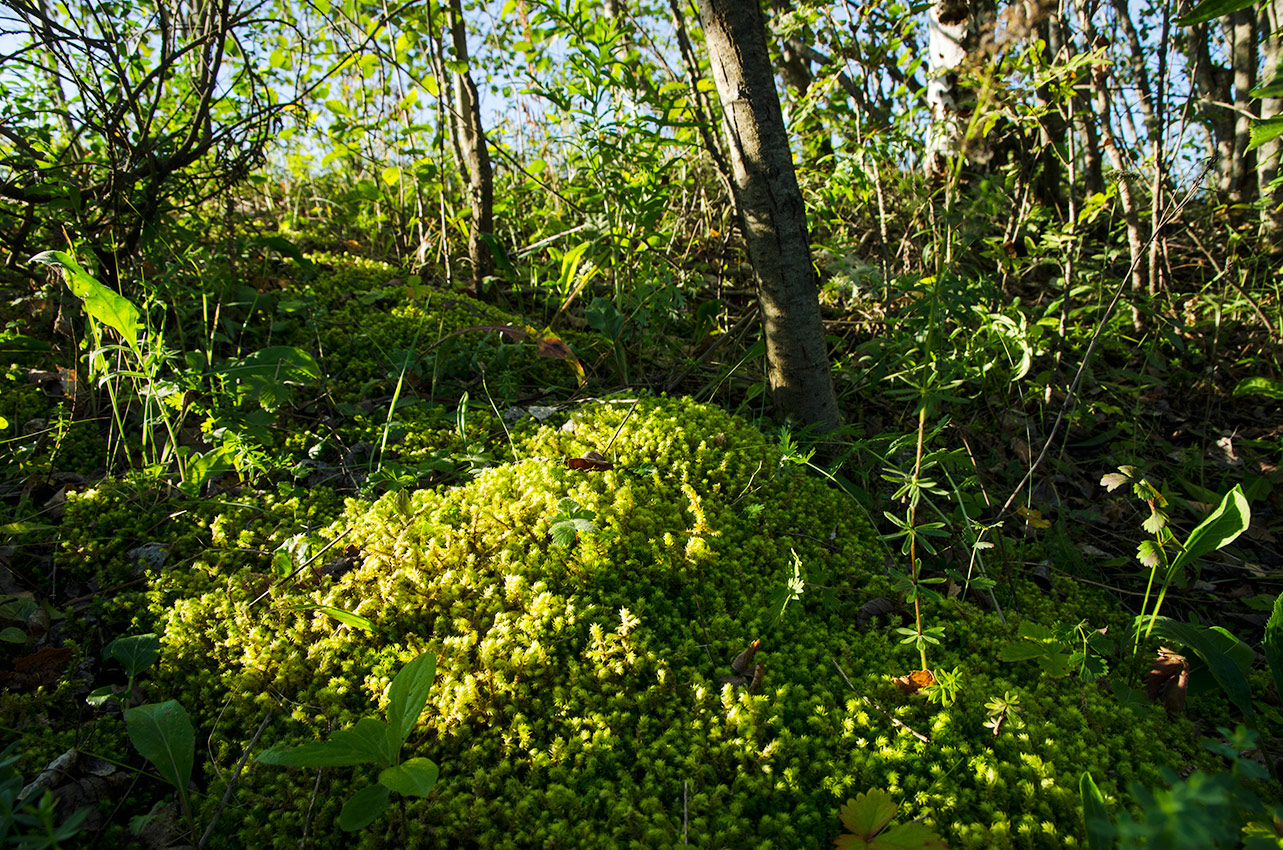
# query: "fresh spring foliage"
377 742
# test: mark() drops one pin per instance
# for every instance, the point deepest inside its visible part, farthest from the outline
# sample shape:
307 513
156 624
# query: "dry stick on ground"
923 738
1095 338
222 804
733 333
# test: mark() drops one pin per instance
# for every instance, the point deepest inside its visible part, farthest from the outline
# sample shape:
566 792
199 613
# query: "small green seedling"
373 741
135 653
571 521
163 733
866 819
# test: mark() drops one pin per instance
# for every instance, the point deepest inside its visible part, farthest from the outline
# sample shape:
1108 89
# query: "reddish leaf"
592 461
1168 680
915 681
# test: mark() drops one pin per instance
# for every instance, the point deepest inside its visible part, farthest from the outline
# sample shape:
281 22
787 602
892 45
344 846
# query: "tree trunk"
474 156
1243 58
947 25
1267 155
772 213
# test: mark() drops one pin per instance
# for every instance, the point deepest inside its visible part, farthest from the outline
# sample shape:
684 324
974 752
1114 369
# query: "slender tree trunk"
1243 57
1267 155
947 25
772 212
474 156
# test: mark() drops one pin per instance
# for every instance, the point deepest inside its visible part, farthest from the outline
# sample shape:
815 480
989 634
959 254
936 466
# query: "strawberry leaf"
868 813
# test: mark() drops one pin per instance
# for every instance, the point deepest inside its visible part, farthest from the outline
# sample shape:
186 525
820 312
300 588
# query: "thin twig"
923 738
232 783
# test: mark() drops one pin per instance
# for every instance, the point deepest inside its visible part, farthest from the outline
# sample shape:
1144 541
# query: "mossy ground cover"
581 696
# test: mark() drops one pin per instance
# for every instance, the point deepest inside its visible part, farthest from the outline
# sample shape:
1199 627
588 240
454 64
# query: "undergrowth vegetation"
330 520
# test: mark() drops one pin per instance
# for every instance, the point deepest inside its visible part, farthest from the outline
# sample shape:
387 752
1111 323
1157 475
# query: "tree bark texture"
772 212
474 156
1267 155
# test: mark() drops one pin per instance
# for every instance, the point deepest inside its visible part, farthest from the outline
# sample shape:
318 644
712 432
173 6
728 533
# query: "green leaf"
1274 643
1264 131
1230 519
408 693
868 813
392 175
1021 651
1149 553
110 308
1209 9
413 778
1259 385
907 836
372 737
1100 830
1214 650
347 618
363 807
317 754
12 634
135 653
163 733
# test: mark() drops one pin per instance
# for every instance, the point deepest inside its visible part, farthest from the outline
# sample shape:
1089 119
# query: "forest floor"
269 443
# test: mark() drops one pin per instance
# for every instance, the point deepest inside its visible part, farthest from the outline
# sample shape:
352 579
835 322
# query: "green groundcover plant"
584 694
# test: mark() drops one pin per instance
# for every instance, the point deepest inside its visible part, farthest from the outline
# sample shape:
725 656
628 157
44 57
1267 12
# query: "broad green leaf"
135 653
907 836
363 807
1209 9
283 363
163 733
1259 385
12 634
1100 830
1264 131
372 737
392 175
1230 519
868 813
1021 651
1213 650
317 754
1274 643
413 778
408 693
112 309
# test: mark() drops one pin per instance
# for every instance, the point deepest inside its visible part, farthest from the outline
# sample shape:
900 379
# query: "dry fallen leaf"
592 461
915 681
1168 680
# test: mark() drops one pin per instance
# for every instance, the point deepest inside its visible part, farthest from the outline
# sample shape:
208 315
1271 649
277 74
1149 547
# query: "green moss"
578 699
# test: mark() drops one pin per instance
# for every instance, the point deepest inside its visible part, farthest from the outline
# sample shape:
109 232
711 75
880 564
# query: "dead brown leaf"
1167 680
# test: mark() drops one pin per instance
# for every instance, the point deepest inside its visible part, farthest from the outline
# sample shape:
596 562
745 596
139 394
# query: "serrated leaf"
408 693
413 777
868 813
162 732
1036 631
1149 553
1154 523
363 807
1111 481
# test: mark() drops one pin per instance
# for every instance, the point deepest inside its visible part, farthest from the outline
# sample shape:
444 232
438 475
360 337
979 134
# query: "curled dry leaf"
914 682
1167 680
742 661
592 461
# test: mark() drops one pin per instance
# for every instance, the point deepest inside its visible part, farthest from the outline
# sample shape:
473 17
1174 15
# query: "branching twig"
923 738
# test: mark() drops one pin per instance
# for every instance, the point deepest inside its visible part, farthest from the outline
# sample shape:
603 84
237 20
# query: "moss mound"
578 700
